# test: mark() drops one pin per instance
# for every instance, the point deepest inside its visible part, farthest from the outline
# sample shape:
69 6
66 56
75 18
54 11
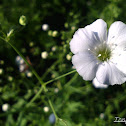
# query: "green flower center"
103 52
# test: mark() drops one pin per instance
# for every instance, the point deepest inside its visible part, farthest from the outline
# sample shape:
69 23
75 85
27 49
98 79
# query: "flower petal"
89 36
98 85
117 34
119 59
108 73
85 64
99 28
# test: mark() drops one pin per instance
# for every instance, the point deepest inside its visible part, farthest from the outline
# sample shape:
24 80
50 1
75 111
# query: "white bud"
23 20
68 57
102 115
21 67
1 71
46 109
56 90
45 27
5 107
44 55
54 48
54 33
21 61
18 58
29 74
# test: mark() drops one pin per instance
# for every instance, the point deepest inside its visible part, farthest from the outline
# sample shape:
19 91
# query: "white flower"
45 27
1 70
44 55
98 56
54 48
102 115
56 90
68 57
5 107
54 33
21 67
46 109
28 74
18 58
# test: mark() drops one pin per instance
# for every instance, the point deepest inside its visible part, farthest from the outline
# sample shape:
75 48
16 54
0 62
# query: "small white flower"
44 55
45 27
56 90
98 56
21 67
54 48
54 33
5 107
29 74
102 115
18 58
68 57
1 71
23 20
22 61
46 109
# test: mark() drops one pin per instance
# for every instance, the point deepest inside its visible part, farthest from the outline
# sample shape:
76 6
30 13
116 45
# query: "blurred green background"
44 40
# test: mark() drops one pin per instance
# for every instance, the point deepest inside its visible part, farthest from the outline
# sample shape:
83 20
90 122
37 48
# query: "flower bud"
23 20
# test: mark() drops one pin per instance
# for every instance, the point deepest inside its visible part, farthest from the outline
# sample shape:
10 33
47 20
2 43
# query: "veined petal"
99 28
119 59
98 84
108 73
85 64
117 34
89 36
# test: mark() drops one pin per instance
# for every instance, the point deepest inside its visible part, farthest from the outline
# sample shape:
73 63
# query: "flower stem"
50 103
43 85
34 72
39 92
59 77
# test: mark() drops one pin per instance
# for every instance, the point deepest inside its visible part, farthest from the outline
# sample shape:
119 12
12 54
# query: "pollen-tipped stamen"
103 53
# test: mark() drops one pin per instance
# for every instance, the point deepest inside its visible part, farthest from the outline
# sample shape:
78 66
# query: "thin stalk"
59 77
50 103
39 92
43 85
34 72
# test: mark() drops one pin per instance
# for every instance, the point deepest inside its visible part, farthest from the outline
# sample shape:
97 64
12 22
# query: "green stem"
36 96
34 72
39 92
38 77
50 103
59 77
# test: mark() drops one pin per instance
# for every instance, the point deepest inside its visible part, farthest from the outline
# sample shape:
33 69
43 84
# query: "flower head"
5 107
99 56
44 55
45 27
46 109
